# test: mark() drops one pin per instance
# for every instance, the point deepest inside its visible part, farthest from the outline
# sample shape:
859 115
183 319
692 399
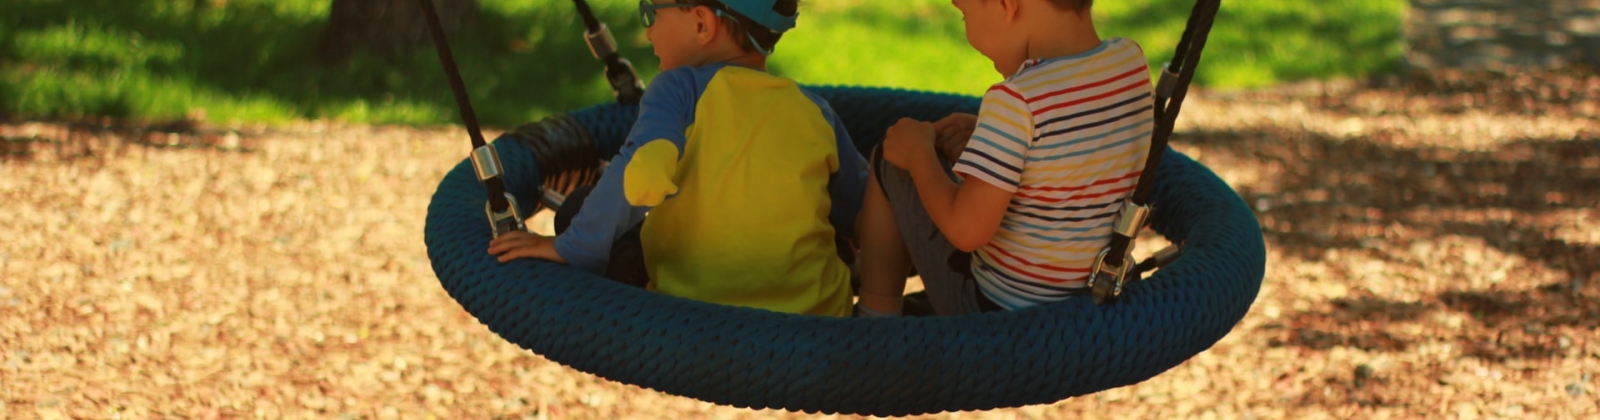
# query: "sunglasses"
647 10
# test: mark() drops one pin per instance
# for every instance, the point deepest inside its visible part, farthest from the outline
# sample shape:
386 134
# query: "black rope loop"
565 152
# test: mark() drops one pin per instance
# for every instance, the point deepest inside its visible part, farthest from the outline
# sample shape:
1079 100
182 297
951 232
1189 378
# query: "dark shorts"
946 271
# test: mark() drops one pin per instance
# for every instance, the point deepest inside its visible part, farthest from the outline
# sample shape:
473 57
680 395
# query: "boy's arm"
954 131
969 213
523 244
665 112
848 185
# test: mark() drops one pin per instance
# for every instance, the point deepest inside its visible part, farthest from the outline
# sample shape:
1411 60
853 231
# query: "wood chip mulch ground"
1434 252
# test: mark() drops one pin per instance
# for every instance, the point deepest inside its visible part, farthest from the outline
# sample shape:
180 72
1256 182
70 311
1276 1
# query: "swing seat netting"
897 366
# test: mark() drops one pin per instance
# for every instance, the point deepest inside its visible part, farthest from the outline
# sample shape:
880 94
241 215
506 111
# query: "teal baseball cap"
761 12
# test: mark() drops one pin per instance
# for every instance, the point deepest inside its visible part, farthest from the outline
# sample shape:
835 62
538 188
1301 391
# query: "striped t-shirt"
1068 136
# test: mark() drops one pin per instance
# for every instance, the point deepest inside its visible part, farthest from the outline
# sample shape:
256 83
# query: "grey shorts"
946 271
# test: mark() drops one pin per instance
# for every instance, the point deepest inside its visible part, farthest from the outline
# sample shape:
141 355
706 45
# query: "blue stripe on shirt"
985 140
1010 288
1126 102
1003 133
1133 126
1062 228
1057 230
1068 219
1141 110
1111 145
1089 238
1075 208
997 162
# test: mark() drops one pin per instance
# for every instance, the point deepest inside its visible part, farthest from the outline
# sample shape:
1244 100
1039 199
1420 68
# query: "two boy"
761 175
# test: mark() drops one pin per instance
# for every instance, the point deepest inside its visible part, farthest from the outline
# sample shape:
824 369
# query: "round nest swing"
900 366
873 366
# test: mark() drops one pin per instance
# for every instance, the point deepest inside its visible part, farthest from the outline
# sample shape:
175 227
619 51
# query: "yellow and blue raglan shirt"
747 178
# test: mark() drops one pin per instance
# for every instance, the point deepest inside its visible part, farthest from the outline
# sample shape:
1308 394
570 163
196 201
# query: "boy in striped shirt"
1054 150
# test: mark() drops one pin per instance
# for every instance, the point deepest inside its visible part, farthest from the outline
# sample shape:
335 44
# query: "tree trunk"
387 27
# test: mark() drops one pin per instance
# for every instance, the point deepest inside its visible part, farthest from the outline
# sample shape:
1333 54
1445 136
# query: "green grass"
251 61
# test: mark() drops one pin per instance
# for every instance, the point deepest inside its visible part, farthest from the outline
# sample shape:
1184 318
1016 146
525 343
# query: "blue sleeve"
847 187
665 112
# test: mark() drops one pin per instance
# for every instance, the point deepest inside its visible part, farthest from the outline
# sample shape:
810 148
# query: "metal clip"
1160 259
1105 280
552 199
486 161
505 221
601 43
1167 255
1167 81
1131 219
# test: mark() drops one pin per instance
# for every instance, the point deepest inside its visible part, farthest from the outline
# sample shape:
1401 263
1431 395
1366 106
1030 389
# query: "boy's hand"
523 244
906 141
954 132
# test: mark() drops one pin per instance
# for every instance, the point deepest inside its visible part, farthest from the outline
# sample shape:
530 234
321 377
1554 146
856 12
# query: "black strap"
589 20
497 188
1185 60
625 83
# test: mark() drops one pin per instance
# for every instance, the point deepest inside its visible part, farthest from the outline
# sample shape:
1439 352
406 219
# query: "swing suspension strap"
625 82
501 209
1112 268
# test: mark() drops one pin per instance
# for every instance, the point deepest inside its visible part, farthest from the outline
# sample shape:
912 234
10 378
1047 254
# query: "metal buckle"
486 162
552 199
1106 281
505 221
1131 219
1167 81
1167 255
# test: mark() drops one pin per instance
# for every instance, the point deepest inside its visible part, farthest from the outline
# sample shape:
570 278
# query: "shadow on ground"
1363 197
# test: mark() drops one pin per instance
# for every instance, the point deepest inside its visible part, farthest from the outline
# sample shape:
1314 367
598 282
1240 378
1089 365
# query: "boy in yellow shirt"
748 178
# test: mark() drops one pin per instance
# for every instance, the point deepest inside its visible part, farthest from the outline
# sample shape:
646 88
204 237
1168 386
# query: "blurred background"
370 61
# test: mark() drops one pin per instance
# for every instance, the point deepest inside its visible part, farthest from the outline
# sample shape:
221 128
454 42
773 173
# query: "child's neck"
750 60
1060 39
731 53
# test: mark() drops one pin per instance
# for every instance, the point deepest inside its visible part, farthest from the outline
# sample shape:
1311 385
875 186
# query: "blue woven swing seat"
902 366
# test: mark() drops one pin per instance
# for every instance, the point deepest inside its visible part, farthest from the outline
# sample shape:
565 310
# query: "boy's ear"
1011 8
706 24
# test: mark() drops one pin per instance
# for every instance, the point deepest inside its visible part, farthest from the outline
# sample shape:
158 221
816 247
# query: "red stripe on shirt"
1133 174
1018 270
1007 90
1120 90
1076 197
1141 69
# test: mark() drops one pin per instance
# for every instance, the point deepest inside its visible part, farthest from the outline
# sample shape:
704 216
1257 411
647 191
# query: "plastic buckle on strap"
1105 280
506 221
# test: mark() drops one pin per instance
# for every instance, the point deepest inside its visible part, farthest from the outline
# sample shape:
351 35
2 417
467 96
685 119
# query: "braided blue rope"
903 366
